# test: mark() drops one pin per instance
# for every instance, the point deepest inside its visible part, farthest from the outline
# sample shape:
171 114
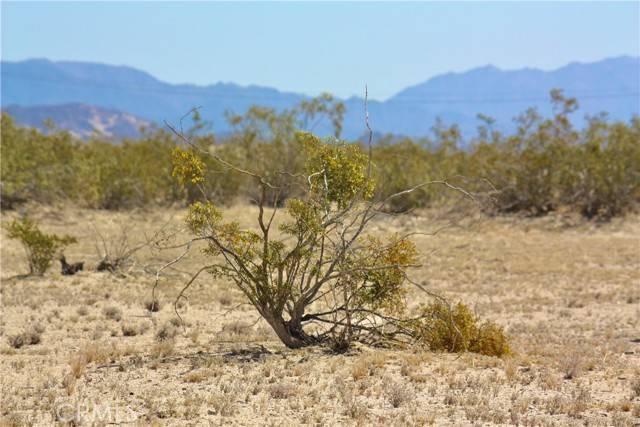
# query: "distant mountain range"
116 99
80 119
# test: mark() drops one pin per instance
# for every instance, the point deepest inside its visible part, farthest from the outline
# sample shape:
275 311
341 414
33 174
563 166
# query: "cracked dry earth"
567 292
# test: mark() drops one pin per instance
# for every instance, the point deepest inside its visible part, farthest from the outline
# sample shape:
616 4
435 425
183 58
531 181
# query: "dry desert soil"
566 291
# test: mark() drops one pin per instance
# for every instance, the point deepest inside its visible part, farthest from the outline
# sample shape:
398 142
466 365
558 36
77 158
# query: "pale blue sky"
313 47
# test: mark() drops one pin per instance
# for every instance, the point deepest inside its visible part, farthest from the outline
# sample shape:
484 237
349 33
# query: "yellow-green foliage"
337 170
604 172
283 275
40 247
96 173
187 167
399 166
35 166
382 265
455 328
545 165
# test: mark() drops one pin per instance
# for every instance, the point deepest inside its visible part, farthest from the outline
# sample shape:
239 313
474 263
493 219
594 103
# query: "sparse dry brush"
320 277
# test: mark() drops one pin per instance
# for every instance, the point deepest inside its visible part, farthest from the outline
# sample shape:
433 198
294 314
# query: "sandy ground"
567 292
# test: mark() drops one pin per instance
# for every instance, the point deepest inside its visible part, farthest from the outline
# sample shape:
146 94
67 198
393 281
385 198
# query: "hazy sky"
313 47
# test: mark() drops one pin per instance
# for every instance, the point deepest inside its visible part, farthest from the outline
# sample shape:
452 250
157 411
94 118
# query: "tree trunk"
291 335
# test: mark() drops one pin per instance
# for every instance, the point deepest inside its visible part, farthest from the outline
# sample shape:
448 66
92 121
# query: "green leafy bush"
40 247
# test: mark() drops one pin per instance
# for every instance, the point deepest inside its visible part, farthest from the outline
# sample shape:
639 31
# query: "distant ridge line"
84 83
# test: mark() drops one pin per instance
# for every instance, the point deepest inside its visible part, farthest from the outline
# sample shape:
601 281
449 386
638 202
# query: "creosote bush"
320 267
546 164
455 328
41 248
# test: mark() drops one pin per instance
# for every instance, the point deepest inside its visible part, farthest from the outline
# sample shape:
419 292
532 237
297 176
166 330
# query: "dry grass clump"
163 349
223 404
31 336
367 365
195 377
360 369
398 394
635 387
225 300
166 332
78 364
69 384
113 313
571 365
13 419
356 410
152 305
282 390
237 328
456 329
101 352
132 329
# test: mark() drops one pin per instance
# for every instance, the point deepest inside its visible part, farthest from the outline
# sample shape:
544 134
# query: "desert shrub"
527 167
133 173
603 178
221 183
282 390
323 251
399 166
53 165
35 166
132 329
113 313
443 327
547 164
31 336
152 305
542 166
398 394
402 164
40 247
166 332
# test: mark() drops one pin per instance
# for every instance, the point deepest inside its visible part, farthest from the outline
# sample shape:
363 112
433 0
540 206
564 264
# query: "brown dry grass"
568 295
